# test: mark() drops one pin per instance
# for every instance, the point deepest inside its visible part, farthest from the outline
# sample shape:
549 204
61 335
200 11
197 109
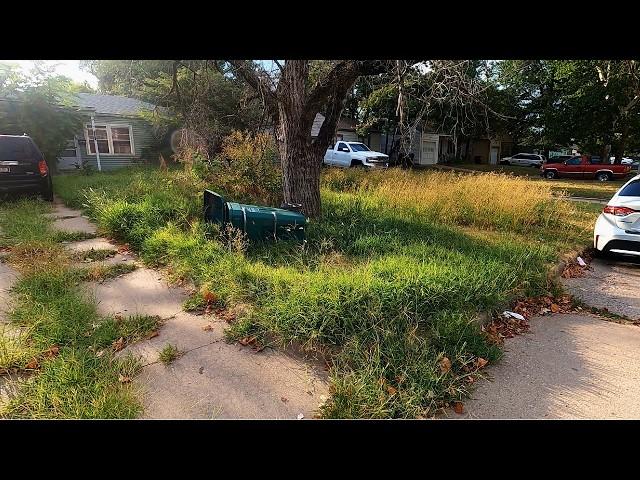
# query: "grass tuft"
168 354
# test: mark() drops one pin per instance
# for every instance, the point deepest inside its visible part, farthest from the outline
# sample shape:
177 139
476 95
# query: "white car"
617 229
524 159
351 154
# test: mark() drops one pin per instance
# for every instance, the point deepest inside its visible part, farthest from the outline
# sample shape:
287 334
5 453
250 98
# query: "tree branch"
248 72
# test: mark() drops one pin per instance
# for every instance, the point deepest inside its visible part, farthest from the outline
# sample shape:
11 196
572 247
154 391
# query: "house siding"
142 139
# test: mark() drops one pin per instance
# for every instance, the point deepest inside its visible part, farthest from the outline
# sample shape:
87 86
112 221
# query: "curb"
554 275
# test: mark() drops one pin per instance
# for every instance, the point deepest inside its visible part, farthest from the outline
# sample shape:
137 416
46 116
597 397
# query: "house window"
111 139
102 138
121 140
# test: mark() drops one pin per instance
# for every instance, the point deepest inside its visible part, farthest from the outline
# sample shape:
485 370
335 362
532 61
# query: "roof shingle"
112 104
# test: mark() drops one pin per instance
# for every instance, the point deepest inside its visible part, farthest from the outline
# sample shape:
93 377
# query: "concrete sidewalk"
211 378
573 366
567 367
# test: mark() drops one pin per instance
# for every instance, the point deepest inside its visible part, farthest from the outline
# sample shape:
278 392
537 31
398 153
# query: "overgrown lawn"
388 284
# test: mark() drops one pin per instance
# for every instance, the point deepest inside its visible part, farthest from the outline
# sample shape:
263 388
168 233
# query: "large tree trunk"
300 168
606 153
623 141
293 106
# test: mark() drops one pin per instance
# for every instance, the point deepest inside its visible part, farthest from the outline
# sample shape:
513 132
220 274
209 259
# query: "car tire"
603 177
550 174
47 194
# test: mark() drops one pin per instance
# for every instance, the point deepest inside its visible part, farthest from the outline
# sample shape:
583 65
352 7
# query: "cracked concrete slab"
568 367
70 220
90 244
142 291
8 277
612 283
9 386
75 225
117 258
184 330
230 381
62 211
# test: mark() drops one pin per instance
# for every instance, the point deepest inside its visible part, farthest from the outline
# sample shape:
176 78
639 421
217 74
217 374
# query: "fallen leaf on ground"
124 379
458 407
154 334
124 248
555 308
445 365
99 353
52 351
573 270
247 341
284 399
391 390
118 344
481 362
33 364
210 297
207 327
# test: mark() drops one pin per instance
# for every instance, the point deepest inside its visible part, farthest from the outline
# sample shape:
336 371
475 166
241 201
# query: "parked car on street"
524 159
584 167
617 229
23 168
351 154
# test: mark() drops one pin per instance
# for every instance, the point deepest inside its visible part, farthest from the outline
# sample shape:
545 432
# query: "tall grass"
389 280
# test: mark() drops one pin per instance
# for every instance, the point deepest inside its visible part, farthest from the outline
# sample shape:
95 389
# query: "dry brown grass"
486 200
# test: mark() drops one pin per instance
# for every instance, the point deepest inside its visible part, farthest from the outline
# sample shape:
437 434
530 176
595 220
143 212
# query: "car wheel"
550 174
47 194
603 177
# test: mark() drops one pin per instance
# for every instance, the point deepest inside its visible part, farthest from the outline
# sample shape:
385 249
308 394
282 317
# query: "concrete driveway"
572 366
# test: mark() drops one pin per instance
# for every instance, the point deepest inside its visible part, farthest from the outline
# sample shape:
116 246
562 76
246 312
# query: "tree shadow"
568 366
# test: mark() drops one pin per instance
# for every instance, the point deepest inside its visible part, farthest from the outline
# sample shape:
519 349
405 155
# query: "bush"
246 169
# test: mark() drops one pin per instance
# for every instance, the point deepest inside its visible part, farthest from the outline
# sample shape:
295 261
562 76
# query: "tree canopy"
36 103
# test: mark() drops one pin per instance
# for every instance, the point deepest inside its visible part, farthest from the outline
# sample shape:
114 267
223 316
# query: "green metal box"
258 223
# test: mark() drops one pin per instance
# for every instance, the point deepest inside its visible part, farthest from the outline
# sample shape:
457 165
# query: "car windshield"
359 147
631 190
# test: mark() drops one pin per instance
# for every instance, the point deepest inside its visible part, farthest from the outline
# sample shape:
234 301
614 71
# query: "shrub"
246 168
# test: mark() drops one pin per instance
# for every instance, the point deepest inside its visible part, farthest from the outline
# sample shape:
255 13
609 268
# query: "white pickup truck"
350 154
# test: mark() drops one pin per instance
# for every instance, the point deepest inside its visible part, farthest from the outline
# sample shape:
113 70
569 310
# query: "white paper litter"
507 313
581 262
300 416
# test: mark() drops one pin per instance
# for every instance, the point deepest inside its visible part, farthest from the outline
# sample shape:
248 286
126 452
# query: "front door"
69 159
575 168
494 155
428 153
342 156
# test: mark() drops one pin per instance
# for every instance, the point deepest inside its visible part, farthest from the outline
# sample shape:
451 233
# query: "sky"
68 68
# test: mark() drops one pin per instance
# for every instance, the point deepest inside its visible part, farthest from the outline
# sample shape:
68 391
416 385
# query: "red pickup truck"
584 167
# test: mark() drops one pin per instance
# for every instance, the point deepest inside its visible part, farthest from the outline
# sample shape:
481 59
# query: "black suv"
23 168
